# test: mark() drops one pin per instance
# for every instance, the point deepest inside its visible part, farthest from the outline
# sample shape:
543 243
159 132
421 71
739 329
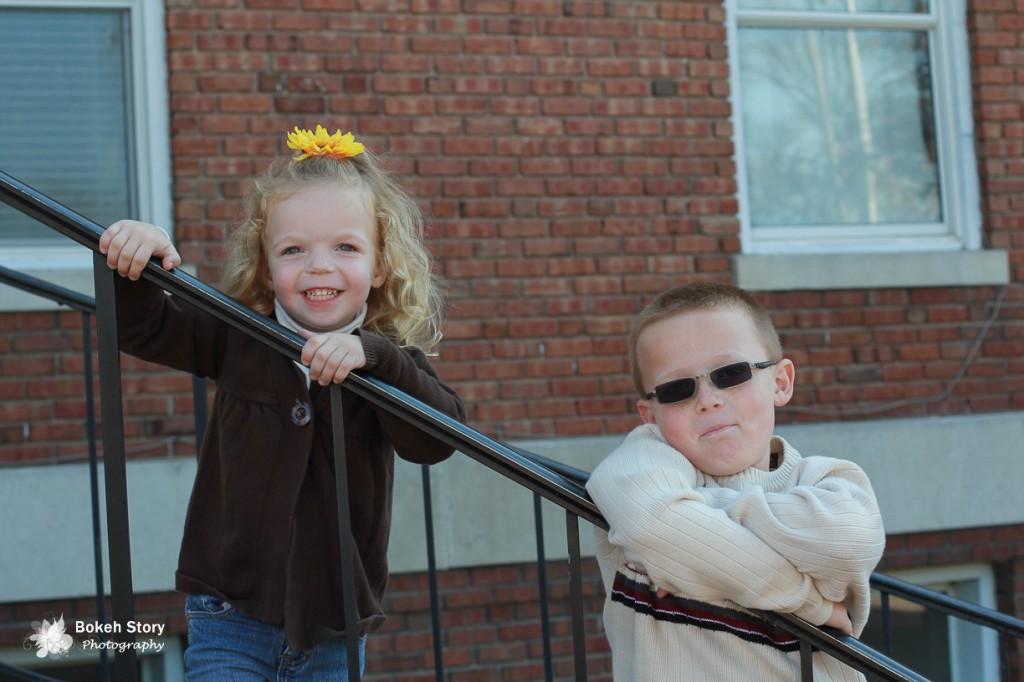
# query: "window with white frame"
83 119
853 126
935 645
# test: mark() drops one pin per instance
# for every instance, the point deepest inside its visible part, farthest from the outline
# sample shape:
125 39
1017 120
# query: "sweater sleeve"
826 523
659 518
158 327
409 371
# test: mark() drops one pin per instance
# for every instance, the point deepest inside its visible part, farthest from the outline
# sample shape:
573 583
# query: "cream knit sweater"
792 540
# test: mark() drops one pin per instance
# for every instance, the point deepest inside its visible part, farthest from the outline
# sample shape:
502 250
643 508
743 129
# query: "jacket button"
301 413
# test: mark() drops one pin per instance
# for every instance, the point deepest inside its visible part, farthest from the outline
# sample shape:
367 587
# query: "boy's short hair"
702 296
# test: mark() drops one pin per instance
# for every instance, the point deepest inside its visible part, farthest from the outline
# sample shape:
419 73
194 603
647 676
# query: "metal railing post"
579 628
886 624
348 545
806 661
94 489
435 599
115 472
542 581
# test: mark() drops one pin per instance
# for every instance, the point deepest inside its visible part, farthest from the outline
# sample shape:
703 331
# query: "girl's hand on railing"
330 357
129 244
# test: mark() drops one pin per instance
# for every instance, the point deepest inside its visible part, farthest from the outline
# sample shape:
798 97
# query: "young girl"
333 249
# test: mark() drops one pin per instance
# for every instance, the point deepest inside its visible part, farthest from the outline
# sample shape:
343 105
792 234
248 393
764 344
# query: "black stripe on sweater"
675 609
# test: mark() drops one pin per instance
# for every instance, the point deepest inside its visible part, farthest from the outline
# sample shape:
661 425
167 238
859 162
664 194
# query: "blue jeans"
225 645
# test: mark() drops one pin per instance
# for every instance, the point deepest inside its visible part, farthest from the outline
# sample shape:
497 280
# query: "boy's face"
721 431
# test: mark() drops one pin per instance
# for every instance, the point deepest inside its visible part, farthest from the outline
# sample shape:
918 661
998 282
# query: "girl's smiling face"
322 258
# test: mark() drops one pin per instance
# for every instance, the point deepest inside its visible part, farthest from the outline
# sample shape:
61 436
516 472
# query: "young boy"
710 514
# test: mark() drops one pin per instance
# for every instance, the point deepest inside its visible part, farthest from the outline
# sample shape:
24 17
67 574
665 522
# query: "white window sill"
12 299
79 280
785 272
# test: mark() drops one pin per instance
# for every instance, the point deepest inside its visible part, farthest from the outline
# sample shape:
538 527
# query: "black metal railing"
497 456
86 306
856 653
545 478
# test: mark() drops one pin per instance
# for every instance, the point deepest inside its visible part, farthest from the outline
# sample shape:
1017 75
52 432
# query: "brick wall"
43 402
490 622
491 626
575 158
997 45
490 616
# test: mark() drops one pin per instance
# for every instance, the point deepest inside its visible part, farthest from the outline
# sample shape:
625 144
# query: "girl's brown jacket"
262 525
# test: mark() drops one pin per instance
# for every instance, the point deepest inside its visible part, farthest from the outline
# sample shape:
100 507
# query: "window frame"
947 31
974 583
148 110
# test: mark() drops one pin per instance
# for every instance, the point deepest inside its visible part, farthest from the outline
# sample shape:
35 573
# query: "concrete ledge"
47 531
932 473
935 473
871 270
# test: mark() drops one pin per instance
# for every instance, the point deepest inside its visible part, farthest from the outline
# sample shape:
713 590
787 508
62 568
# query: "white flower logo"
51 638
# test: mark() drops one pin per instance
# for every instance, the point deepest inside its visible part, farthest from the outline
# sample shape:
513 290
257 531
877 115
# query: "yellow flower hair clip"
321 144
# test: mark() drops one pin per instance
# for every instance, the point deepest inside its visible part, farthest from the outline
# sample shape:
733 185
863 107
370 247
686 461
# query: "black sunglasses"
678 390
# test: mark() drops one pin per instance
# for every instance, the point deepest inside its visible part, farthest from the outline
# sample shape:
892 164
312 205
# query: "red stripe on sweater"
675 609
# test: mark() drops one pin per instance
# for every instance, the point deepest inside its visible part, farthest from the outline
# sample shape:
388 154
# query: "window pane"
838 127
63 121
853 6
920 637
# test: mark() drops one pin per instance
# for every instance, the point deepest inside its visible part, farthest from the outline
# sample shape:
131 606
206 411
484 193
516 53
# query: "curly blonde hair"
408 307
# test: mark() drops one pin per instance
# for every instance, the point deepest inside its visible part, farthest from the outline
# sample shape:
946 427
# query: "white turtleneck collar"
285 320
